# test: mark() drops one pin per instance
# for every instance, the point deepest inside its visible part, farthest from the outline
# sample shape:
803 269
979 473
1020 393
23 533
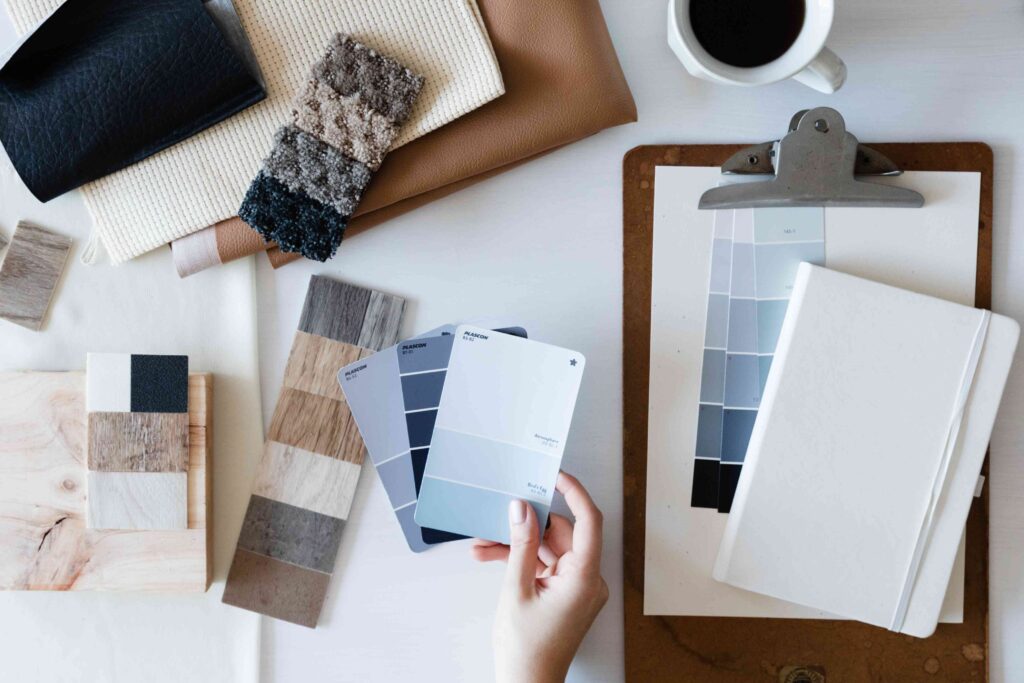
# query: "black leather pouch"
103 84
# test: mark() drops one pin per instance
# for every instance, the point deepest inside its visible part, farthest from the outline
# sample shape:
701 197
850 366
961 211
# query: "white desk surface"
541 245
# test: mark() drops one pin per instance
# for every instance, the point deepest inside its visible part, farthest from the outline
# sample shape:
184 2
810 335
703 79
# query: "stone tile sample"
292 534
274 588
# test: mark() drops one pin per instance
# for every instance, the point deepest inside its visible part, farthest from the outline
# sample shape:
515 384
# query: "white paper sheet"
930 250
141 307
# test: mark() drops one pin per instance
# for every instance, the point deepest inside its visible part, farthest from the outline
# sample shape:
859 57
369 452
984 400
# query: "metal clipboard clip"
815 164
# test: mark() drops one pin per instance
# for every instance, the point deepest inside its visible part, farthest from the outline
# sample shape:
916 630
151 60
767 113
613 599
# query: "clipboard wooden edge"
740 650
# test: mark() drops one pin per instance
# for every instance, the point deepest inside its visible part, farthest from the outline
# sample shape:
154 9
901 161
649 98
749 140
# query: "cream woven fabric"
202 180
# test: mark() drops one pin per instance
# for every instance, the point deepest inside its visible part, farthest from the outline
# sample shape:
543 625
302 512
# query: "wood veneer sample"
137 500
310 362
310 467
317 424
44 541
306 479
29 274
274 588
138 442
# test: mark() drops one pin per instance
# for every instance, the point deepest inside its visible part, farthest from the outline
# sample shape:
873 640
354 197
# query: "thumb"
524 542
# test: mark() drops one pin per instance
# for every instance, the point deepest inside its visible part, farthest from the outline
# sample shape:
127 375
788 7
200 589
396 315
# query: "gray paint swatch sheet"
393 396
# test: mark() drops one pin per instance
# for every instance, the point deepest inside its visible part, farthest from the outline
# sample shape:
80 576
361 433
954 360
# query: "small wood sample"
44 541
138 441
29 274
311 461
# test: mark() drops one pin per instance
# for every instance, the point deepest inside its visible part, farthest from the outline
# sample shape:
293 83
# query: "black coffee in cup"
746 33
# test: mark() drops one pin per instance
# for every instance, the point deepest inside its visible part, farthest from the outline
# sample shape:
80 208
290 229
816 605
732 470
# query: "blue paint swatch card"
499 432
393 396
754 259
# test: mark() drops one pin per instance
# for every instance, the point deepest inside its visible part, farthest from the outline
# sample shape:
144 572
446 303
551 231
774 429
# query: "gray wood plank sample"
310 466
334 309
29 274
289 533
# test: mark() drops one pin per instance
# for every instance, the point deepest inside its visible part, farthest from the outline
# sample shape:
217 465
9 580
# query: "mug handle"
826 73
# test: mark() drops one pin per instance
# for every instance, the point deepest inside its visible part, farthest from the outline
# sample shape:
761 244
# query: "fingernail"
516 512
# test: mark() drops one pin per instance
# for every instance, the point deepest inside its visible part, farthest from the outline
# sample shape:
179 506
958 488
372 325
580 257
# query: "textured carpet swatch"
303 163
290 217
201 181
314 177
345 122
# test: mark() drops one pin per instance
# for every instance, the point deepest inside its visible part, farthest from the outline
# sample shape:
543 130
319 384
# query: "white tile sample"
137 500
108 383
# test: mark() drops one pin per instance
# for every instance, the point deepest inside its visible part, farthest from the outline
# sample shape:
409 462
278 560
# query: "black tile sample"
159 384
291 534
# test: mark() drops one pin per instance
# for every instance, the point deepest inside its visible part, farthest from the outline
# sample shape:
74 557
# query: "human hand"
553 590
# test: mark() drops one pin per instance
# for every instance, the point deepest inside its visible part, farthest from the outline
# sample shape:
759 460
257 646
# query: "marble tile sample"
138 442
29 274
291 534
44 541
137 500
306 479
307 476
274 588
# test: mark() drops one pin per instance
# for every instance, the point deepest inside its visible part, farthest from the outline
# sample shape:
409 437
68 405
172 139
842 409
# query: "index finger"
586 537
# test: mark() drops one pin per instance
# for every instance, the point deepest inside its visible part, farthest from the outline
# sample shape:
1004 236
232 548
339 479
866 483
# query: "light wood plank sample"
317 424
137 500
138 442
29 274
44 542
310 466
307 480
276 589
313 364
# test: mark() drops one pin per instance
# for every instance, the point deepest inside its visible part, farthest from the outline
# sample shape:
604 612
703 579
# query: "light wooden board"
312 458
29 274
44 542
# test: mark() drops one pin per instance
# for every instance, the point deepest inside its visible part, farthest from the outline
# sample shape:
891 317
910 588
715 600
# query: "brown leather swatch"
563 82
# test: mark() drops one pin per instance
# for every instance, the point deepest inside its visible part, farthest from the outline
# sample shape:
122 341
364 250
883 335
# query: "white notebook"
864 456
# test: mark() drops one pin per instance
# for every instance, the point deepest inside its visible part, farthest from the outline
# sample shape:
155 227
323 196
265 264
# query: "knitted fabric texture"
202 180
304 164
345 122
285 216
305 177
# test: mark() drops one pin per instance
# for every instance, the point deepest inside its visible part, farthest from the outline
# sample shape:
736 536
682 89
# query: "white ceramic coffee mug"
807 59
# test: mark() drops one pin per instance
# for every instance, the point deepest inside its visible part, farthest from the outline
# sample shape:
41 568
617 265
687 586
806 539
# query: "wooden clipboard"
744 650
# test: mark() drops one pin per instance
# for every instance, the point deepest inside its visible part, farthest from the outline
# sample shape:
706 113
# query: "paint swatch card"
500 432
754 260
393 396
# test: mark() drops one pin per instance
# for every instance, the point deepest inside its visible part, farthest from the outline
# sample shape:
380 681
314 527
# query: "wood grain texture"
291 534
381 321
44 542
29 274
311 462
138 442
276 589
317 424
306 480
314 362
738 650
334 309
137 500
3 241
